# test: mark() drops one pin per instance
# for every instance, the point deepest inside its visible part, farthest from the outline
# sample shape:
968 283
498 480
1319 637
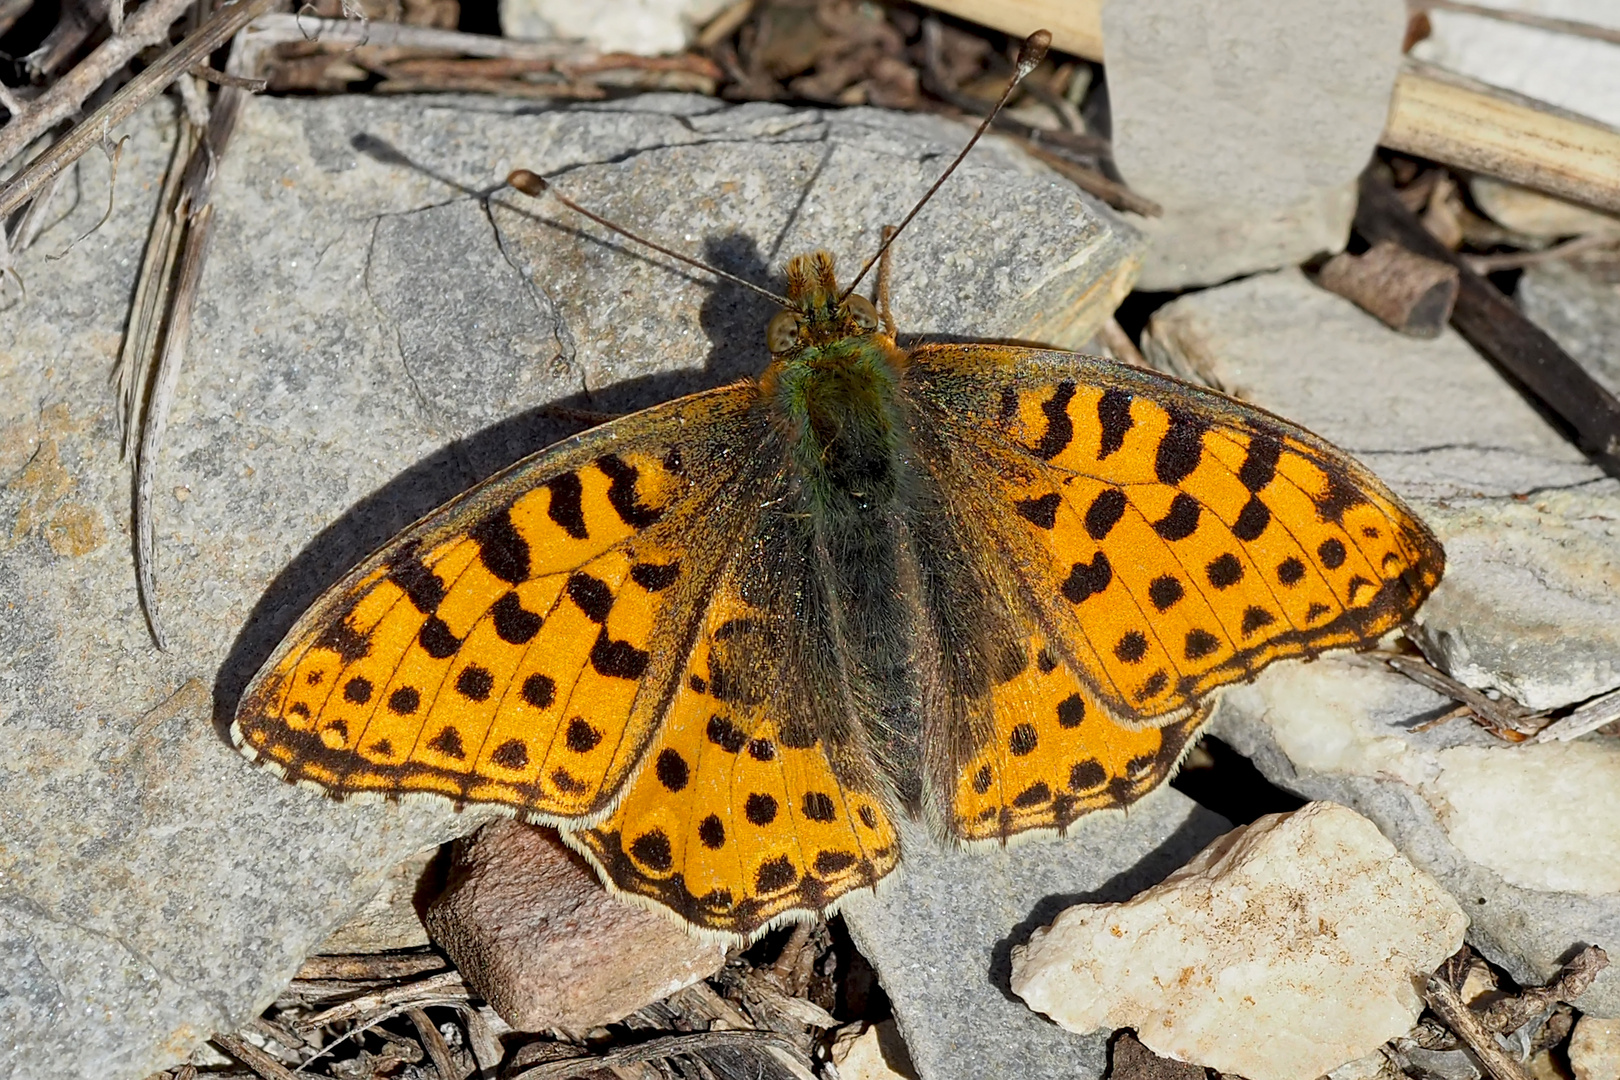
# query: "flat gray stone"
1530 604
1580 309
1249 122
369 341
941 935
1526 838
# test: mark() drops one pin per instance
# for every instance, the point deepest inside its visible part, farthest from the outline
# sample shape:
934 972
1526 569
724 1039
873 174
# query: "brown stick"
148 26
438 1050
1449 1006
254 1058
659 1049
1408 292
1494 326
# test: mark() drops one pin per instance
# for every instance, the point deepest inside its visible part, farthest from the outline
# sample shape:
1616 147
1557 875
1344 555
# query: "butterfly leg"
883 283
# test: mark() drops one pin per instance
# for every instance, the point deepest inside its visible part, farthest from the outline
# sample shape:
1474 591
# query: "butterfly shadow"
1171 854
732 319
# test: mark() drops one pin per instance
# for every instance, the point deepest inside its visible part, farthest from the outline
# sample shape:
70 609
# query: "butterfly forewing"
1148 541
516 646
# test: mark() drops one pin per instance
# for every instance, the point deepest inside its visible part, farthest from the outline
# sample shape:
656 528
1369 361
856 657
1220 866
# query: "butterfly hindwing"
1145 541
758 799
516 646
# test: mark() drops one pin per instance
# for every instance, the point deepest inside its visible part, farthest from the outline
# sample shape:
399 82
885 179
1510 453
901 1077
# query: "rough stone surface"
1530 604
526 922
1526 837
392 918
941 933
1594 1049
1249 122
1580 308
644 27
1286 948
1571 71
369 341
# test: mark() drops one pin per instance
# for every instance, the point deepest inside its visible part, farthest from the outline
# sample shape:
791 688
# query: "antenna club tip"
527 182
1033 51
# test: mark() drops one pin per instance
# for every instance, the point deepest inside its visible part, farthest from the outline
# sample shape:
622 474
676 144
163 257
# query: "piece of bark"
1494 326
1406 291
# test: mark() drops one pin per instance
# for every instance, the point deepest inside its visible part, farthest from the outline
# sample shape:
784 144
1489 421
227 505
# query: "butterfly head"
817 316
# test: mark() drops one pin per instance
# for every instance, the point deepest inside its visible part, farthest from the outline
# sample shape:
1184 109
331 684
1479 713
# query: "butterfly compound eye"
782 332
862 311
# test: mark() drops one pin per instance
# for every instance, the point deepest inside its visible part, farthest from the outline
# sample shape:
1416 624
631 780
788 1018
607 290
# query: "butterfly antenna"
535 185
1030 55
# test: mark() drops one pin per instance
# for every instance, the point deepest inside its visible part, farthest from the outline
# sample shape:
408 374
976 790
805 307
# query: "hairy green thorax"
833 378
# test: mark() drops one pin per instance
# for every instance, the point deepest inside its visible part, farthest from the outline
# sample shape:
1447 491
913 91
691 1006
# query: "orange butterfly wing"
761 800
1145 541
518 645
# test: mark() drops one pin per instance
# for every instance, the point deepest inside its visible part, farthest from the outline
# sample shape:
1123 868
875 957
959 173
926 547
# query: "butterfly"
724 643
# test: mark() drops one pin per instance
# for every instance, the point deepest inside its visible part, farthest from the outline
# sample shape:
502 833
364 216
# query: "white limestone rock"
1249 121
1594 1049
1526 837
1285 949
643 27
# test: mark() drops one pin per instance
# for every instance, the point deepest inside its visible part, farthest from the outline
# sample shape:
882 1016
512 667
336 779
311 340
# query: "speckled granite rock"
370 339
941 934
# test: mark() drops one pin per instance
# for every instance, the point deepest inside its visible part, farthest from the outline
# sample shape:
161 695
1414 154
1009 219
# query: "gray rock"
941 936
1249 122
1529 605
369 341
1580 308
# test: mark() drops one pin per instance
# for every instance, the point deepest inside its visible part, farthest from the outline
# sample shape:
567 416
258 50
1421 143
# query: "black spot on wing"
345 640
1041 512
1059 428
1114 416
514 624
566 508
437 640
502 548
1181 448
591 595
618 659
1164 591
1260 461
655 577
1251 520
421 585
622 494
448 743
1181 521
511 754
1104 512
1088 579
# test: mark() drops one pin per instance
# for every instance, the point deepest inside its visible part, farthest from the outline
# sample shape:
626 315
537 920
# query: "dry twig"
260 1062
692 1045
1450 1007
148 26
